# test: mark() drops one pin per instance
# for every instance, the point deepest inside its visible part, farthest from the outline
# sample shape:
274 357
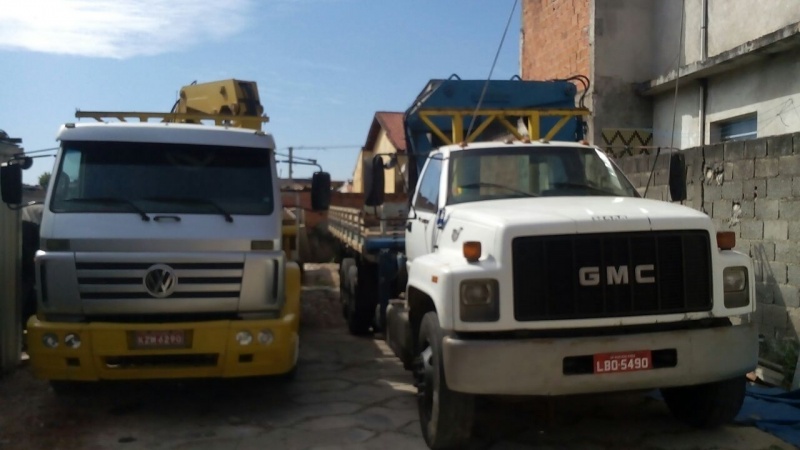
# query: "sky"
323 67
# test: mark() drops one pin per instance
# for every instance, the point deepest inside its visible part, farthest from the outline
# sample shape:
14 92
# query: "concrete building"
386 137
735 63
718 80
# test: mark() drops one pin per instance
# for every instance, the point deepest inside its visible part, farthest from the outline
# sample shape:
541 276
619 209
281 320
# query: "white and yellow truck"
162 247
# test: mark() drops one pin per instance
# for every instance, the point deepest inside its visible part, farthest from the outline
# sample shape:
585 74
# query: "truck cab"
459 176
161 257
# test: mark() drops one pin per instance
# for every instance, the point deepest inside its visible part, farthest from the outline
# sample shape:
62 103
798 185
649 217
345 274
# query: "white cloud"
119 28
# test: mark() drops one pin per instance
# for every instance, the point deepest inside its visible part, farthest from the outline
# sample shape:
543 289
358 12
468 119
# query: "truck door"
421 224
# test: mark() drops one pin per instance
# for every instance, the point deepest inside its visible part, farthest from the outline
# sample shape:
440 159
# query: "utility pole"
291 150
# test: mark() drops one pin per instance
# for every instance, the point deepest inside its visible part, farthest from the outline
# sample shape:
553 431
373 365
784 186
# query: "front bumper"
107 353
536 366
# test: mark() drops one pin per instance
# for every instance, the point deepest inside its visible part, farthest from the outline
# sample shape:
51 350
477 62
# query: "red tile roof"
392 123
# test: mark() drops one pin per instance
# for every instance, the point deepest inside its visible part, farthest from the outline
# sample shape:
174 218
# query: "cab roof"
170 133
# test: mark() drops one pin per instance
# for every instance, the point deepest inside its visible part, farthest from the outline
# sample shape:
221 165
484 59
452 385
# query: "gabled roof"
392 123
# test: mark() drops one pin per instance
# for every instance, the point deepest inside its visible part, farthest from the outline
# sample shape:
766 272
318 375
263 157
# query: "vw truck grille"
611 275
163 280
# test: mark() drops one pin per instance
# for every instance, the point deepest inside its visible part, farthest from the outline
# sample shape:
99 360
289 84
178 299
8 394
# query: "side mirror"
320 191
11 183
26 162
374 182
677 177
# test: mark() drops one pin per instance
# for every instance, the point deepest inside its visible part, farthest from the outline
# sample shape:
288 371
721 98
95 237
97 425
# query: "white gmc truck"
537 269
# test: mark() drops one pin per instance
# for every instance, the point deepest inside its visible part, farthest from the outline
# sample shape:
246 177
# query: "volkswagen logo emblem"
160 280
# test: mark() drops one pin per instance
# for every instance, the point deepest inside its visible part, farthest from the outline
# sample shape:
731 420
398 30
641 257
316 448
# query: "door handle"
408 225
425 221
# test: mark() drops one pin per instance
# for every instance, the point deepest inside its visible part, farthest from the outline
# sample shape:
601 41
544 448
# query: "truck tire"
706 405
446 417
345 290
361 307
65 388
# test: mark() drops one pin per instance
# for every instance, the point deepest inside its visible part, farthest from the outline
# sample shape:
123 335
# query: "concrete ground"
350 393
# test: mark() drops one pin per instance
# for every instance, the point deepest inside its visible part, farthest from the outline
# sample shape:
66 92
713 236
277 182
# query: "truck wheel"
344 283
706 405
360 308
64 388
445 416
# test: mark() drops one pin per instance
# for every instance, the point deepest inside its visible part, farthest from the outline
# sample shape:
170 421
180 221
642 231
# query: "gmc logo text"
642 274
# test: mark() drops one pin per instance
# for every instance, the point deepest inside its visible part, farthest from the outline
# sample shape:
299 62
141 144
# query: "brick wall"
555 38
751 188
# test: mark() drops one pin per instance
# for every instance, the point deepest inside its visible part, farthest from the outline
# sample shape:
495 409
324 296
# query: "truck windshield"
163 178
510 172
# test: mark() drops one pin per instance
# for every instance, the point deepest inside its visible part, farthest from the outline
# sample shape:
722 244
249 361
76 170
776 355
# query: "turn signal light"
472 251
726 240
261 245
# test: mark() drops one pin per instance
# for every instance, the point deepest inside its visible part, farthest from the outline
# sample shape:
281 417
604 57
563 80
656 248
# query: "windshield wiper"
115 200
193 201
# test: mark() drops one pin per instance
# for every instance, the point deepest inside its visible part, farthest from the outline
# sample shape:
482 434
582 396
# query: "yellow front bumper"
107 350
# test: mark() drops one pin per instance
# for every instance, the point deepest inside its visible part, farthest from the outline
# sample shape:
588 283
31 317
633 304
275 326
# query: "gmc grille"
675 268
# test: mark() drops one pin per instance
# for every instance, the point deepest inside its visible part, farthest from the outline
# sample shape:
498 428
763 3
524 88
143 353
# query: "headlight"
244 338
265 337
72 340
735 286
50 340
479 301
735 279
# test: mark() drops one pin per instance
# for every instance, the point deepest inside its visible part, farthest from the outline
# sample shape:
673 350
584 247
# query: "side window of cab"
427 198
67 181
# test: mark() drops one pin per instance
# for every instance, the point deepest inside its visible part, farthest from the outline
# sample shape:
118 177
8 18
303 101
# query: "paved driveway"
350 393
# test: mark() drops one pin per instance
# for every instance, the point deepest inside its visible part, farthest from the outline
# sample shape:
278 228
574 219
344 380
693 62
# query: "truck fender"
428 289
292 292
352 279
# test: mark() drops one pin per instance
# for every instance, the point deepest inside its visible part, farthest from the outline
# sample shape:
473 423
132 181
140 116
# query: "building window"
738 129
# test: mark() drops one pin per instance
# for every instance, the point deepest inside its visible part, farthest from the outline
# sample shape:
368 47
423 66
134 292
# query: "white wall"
771 89
667 44
640 40
686 132
733 22
622 40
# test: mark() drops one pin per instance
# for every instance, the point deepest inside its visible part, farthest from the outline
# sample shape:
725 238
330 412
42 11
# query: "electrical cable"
675 100
494 63
51 149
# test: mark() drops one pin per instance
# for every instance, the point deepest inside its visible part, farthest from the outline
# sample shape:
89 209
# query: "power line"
494 63
321 147
52 149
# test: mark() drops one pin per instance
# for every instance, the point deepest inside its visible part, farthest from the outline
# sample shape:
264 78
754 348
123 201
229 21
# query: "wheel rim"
425 384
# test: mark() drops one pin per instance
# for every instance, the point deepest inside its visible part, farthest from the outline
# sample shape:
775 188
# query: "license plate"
159 339
623 361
